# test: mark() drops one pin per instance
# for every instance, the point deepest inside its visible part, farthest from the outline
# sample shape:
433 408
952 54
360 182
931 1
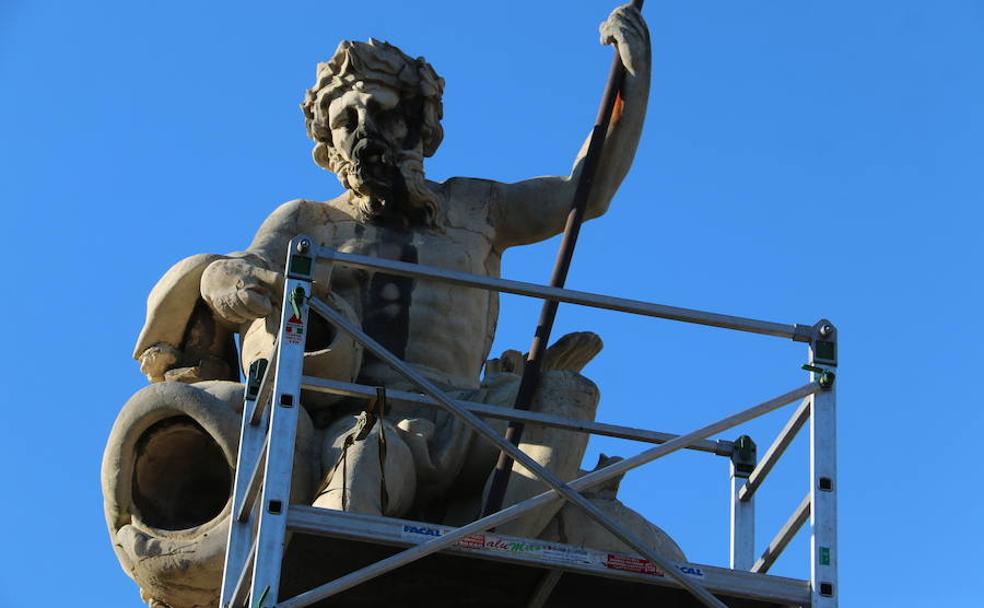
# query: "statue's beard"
395 191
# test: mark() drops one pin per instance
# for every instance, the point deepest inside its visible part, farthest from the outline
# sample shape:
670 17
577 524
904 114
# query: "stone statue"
374 114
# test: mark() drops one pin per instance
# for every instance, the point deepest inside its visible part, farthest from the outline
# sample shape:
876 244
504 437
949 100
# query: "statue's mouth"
373 161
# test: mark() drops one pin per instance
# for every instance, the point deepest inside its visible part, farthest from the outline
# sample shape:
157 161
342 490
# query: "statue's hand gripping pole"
533 365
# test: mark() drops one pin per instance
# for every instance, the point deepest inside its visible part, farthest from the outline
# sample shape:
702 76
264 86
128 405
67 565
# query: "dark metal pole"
534 360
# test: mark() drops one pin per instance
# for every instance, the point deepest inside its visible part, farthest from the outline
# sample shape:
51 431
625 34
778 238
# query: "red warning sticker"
632 564
473 541
295 330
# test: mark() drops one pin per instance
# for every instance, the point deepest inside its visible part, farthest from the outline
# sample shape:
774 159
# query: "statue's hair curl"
383 63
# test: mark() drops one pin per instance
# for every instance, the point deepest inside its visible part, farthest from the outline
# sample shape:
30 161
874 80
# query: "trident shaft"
533 365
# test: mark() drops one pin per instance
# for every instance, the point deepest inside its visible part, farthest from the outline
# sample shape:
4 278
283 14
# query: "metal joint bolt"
826 379
826 330
303 246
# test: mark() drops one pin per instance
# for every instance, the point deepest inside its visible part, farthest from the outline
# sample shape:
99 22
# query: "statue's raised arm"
536 209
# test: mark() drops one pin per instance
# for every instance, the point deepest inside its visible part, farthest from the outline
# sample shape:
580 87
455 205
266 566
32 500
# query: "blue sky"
799 160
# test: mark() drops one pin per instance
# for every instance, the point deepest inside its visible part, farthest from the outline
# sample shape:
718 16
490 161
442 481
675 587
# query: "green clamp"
297 300
826 377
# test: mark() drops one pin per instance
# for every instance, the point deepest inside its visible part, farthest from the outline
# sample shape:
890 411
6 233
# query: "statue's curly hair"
380 62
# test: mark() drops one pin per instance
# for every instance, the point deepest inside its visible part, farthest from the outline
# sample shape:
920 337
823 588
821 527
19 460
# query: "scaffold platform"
368 560
490 570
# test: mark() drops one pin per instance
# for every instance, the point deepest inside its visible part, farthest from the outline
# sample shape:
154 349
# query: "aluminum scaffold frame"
262 515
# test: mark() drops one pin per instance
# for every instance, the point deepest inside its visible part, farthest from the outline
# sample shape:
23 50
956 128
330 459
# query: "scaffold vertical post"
743 460
823 468
272 532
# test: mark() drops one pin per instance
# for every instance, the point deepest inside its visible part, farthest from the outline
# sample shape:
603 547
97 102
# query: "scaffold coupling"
824 343
825 377
743 456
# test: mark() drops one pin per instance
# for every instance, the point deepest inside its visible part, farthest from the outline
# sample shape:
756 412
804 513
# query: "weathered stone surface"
167 478
374 114
573 527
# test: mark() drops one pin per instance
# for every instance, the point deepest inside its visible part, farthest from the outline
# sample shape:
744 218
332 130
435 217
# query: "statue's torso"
443 330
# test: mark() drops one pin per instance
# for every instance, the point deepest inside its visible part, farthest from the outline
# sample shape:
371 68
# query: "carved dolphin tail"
167 478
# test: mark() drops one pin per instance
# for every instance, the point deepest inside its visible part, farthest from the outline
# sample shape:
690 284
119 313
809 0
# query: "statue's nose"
367 125
366 131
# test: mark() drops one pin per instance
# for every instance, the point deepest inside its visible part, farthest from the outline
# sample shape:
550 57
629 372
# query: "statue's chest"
456 249
388 303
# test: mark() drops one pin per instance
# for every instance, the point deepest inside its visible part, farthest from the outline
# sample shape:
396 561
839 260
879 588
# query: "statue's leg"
464 499
573 526
563 393
375 475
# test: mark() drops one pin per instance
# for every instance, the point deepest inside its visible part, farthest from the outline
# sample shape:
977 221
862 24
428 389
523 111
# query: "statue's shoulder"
302 213
342 208
468 201
468 189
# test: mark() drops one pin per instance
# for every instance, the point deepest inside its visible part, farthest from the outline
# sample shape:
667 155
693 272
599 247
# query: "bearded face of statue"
377 153
374 113
367 132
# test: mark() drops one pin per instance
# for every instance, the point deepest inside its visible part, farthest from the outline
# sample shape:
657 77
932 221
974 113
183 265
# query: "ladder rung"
242 585
258 406
253 489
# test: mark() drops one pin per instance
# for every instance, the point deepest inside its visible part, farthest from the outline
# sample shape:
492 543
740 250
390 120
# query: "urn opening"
181 478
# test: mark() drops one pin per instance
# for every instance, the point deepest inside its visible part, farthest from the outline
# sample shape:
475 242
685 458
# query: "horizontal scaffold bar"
796 332
720 447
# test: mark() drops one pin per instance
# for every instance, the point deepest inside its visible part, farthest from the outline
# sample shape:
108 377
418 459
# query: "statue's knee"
374 475
334 435
567 393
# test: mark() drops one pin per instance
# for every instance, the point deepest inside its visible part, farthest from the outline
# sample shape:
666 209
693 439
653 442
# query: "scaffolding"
480 568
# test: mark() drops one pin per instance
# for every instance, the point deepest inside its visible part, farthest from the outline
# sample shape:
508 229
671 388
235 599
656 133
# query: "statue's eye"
351 118
348 119
391 116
